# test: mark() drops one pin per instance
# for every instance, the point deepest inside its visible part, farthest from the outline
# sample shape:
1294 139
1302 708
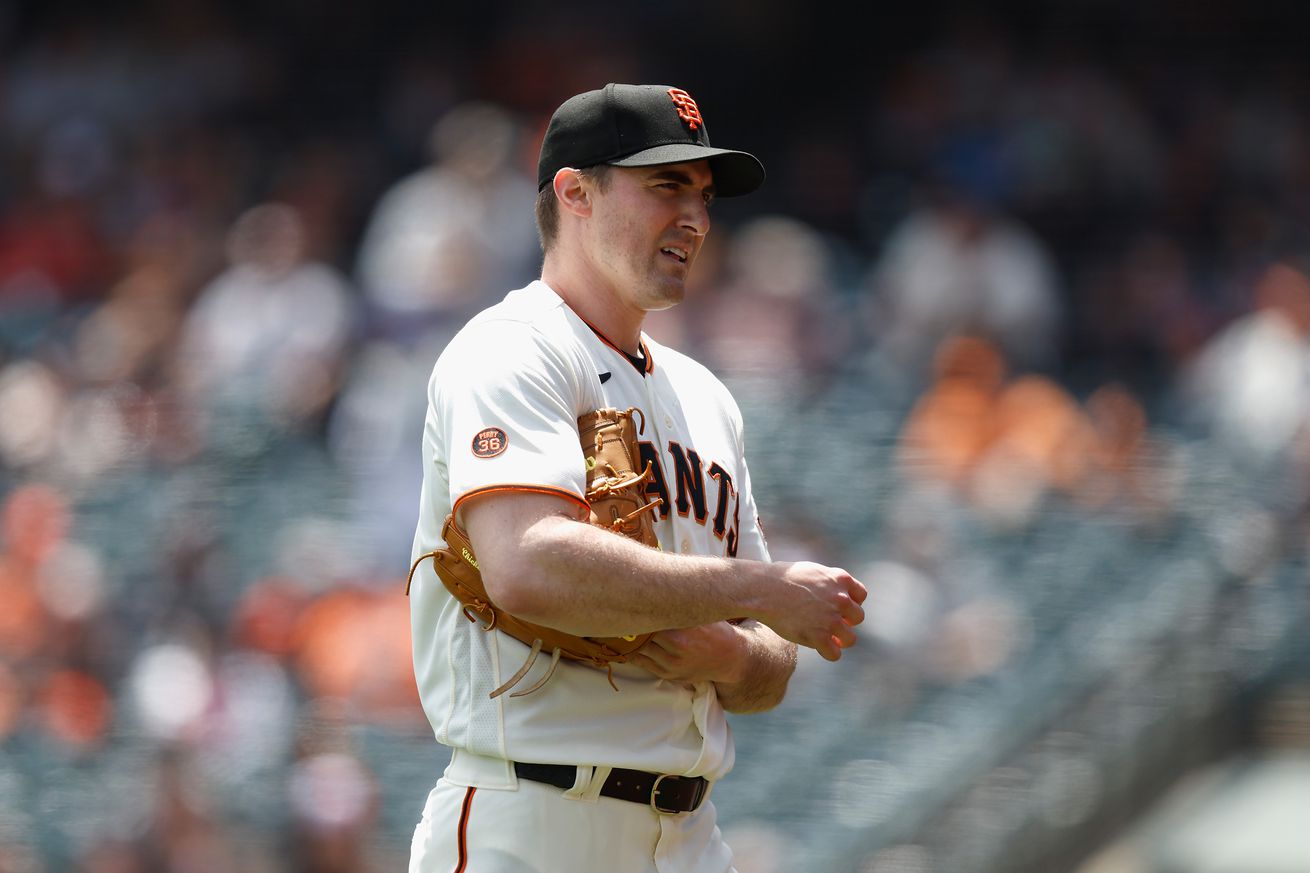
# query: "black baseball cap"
640 126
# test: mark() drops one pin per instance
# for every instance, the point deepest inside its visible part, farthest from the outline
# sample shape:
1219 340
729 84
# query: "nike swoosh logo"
605 377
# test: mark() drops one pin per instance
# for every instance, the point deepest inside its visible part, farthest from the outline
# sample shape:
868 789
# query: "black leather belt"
662 792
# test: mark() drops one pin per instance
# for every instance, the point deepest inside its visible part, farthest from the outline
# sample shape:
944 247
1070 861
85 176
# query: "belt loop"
583 783
598 776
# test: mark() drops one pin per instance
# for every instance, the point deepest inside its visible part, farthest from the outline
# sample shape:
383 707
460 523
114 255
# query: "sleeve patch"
489 442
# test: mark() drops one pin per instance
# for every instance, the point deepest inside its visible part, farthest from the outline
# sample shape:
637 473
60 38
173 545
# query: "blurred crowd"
1022 275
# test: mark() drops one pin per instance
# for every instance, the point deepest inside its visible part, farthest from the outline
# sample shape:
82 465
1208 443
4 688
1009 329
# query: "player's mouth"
680 255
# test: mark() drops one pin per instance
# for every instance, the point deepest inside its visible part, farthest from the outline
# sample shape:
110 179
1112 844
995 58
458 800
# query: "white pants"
480 818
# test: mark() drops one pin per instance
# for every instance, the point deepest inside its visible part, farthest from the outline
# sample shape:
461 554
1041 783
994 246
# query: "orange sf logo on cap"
687 109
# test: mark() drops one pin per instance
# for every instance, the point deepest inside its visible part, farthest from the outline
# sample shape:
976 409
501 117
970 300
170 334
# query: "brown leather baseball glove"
616 493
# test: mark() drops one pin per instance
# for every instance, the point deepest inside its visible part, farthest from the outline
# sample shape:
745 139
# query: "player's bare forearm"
748 663
587 581
540 563
769 662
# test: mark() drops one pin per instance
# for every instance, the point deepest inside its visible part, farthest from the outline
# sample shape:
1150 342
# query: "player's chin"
664 293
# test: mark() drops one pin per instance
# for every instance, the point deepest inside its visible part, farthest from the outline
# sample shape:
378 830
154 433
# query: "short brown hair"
547 207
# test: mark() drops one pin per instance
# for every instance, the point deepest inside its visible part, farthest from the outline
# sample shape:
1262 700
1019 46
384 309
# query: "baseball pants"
481 819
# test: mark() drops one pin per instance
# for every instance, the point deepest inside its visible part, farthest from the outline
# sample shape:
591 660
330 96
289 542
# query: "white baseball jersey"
504 399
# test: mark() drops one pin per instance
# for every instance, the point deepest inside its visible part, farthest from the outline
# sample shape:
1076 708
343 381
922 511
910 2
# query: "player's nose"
696 214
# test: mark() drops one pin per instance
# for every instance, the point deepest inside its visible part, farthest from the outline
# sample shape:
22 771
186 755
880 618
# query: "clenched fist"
815 606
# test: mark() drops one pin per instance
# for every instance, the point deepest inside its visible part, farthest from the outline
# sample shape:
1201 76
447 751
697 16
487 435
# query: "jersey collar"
649 366
636 363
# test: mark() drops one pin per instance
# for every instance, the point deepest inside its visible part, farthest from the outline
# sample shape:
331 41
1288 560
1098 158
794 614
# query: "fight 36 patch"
489 442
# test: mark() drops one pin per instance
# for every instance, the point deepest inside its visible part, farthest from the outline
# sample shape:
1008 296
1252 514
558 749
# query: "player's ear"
572 192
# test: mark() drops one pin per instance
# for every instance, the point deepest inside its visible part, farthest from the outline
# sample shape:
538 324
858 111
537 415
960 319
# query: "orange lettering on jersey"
489 442
687 109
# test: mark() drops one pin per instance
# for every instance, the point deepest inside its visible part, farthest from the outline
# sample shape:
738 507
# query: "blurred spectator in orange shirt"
951 425
353 645
1005 443
34 521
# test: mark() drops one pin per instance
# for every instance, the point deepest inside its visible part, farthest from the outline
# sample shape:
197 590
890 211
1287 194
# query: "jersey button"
668 421
686 547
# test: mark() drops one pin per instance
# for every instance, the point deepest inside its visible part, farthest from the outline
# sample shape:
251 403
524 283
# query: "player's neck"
597 304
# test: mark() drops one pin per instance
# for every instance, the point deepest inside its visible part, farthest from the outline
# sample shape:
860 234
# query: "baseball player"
577 776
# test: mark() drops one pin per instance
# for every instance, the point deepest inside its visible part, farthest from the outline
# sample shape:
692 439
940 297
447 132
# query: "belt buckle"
655 793
695 803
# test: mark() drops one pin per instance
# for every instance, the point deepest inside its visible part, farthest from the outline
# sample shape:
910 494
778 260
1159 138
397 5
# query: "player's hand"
708 653
816 606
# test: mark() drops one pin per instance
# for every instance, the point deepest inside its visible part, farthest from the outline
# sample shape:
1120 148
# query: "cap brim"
735 173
